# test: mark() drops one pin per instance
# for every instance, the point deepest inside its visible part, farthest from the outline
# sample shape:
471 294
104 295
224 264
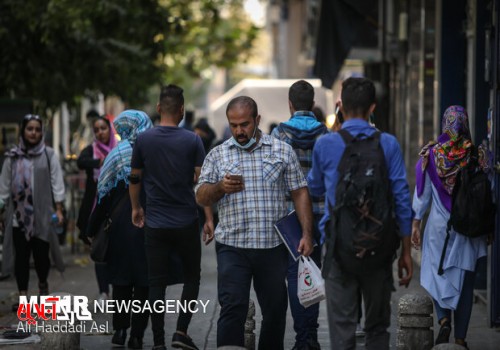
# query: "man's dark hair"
171 99
301 95
246 102
92 113
358 94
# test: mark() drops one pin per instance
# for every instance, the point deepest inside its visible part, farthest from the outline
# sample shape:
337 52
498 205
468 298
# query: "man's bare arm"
134 192
209 194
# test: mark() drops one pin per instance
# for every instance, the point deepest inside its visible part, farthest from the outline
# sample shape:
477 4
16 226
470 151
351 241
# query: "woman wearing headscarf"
126 255
436 172
32 187
91 160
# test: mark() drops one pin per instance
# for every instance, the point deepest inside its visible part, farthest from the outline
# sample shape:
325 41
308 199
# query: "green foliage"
58 50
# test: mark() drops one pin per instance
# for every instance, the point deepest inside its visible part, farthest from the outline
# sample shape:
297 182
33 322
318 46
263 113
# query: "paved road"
79 280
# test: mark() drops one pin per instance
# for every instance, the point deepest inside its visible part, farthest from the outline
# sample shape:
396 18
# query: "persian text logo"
61 308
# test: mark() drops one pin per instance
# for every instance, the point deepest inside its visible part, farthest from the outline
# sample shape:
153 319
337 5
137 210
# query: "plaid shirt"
246 218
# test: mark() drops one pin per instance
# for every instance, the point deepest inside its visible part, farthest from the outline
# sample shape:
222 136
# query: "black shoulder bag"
100 241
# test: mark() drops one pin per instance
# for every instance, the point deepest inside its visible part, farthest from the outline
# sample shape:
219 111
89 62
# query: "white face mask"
247 145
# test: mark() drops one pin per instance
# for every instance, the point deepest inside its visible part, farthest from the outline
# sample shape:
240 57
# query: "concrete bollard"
250 327
59 340
448 346
415 323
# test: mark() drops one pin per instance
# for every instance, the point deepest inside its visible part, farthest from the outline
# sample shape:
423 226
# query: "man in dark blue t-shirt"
167 161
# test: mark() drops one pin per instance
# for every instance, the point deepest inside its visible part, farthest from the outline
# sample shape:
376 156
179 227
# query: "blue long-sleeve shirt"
323 177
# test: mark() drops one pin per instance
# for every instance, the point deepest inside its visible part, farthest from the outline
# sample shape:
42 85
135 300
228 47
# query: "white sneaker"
359 331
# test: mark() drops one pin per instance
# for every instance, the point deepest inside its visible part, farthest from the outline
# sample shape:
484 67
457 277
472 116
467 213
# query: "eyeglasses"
32 117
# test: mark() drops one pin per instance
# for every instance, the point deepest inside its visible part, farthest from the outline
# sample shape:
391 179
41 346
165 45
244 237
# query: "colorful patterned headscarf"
454 146
450 153
116 167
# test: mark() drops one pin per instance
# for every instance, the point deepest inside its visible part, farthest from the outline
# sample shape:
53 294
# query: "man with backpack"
301 132
362 174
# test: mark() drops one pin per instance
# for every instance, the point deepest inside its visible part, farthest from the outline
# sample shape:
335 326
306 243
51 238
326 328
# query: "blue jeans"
464 308
236 267
305 320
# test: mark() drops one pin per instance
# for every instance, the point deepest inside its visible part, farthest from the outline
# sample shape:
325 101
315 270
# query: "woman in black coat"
126 257
91 159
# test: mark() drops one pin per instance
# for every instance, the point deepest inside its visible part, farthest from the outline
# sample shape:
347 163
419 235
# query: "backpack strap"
346 136
474 155
443 253
376 135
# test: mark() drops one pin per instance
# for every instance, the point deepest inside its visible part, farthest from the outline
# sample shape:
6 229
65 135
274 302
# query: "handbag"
310 284
100 241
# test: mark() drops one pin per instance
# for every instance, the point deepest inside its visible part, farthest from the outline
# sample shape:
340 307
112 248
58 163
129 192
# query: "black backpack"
363 230
472 208
363 226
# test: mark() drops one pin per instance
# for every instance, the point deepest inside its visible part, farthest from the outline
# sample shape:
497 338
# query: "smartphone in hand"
339 114
236 177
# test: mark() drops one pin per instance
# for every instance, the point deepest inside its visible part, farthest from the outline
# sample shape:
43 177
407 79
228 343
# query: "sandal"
444 333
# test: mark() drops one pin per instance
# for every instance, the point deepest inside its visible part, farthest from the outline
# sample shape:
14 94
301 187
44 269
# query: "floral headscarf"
116 167
450 153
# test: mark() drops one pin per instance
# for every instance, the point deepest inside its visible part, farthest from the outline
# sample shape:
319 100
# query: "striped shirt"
246 218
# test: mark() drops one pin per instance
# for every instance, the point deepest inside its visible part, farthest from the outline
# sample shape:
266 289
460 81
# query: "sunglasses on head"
32 117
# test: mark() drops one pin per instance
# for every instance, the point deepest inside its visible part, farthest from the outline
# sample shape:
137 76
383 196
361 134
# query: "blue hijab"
116 167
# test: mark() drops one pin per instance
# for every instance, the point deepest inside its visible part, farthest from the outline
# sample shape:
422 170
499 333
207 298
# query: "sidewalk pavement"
79 279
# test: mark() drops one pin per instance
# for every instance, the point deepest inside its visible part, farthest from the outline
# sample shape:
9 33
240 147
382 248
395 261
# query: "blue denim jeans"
305 320
236 268
461 316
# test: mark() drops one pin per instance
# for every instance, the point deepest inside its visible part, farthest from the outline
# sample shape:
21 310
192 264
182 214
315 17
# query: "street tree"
59 50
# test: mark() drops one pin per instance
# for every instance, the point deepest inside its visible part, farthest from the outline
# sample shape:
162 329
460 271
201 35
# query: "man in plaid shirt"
301 132
247 177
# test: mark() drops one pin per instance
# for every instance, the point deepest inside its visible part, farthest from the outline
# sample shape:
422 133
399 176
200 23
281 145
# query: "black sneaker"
444 333
134 343
183 342
15 307
119 337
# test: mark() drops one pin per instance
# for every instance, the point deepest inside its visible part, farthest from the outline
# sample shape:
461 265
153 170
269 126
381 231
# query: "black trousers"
186 242
23 249
102 275
123 320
